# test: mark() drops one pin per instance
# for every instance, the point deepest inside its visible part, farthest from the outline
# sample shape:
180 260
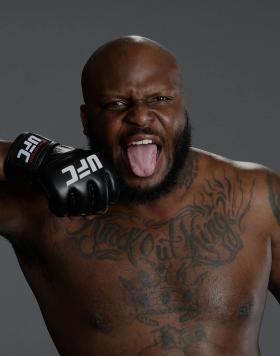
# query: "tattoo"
190 172
154 299
206 232
169 340
274 195
172 258
245 310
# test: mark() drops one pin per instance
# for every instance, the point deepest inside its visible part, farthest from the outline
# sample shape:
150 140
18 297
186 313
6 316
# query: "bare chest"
183 268
186 280
175 282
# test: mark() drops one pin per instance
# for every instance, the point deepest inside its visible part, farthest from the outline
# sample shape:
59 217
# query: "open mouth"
142 155
145 142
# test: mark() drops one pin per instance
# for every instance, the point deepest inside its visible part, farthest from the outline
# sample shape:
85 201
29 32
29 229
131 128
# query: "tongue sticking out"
142 159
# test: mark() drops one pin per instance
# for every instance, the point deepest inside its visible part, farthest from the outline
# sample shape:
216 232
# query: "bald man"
181 264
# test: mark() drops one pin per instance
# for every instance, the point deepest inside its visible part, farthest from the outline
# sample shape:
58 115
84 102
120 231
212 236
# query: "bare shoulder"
255 178
212 162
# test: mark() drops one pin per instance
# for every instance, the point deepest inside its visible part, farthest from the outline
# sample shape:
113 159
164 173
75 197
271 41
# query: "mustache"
141 130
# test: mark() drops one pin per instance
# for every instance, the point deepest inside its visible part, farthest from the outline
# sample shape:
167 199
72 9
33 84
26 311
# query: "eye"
160 99
163 98
115 105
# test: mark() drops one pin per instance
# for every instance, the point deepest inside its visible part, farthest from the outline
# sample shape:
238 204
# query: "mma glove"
75 181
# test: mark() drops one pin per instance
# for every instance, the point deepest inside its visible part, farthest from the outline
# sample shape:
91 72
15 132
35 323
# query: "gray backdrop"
229 53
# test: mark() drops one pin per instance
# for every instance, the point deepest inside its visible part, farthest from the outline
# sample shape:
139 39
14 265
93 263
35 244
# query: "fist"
75 181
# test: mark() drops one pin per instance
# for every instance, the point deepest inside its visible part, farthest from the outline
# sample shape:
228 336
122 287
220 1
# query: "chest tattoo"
172 258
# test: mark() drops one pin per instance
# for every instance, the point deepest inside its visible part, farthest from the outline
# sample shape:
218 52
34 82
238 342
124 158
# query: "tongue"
142 159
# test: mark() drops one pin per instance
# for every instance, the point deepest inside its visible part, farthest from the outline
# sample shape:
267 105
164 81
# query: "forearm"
4 147
19 203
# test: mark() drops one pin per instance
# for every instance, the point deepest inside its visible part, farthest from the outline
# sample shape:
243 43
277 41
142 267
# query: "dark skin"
186 274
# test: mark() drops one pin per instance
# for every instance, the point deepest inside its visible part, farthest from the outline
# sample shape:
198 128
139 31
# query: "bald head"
126 56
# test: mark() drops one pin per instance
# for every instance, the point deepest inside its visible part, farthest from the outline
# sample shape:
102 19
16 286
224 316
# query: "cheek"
111 134
106 130
173 118
173 132
173 129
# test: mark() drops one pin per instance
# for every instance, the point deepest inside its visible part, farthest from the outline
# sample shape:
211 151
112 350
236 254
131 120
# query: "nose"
139 114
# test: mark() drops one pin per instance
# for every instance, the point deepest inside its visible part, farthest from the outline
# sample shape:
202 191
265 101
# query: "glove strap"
25 156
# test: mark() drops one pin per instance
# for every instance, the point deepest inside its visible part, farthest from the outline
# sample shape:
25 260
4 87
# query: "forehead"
133 70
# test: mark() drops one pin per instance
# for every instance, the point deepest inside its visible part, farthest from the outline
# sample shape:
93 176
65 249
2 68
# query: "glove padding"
75 181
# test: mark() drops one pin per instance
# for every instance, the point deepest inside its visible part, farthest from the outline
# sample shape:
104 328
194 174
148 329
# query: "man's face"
135 115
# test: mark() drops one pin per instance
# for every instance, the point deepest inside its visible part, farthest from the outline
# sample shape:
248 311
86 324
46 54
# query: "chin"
144 182
142 190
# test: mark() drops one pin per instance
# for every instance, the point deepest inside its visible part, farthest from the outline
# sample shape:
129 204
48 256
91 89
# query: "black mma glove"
75 181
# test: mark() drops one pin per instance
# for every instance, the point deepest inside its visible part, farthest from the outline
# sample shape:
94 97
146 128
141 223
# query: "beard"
181 149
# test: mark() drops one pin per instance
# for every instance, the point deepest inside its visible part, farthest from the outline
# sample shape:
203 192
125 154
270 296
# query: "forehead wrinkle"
135 93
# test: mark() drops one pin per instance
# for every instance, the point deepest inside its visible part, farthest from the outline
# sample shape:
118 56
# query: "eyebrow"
159 92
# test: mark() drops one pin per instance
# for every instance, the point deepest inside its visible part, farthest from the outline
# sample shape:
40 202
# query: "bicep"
18 209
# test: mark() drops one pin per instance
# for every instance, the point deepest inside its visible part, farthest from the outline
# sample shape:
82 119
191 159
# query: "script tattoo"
171 258
206 232
274 195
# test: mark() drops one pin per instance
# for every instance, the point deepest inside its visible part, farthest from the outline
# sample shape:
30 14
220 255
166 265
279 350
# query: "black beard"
181 146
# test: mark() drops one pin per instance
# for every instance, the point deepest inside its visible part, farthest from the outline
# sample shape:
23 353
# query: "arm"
4 148
74 181
273 183
17 203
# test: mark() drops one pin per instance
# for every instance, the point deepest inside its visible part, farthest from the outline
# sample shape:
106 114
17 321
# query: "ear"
84 118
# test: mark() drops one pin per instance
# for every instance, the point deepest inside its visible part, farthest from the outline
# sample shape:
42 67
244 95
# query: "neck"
171 202
158 209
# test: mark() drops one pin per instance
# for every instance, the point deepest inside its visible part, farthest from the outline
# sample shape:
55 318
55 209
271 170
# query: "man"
181 262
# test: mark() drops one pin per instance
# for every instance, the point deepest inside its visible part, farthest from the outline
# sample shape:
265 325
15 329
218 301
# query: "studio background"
229 53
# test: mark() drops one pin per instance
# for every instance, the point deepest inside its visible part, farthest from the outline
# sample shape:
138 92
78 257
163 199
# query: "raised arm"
75 182
17 202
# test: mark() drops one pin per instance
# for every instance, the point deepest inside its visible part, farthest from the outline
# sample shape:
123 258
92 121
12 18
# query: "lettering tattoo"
206 232
172 258
274 195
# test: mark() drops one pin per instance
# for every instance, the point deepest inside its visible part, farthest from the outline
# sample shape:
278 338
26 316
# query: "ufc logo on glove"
88 165
30 144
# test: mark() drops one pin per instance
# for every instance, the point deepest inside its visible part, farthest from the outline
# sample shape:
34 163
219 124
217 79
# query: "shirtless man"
180 265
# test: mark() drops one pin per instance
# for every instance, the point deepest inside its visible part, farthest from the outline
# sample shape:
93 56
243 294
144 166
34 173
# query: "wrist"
25 156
